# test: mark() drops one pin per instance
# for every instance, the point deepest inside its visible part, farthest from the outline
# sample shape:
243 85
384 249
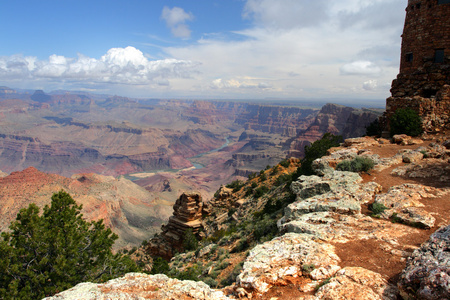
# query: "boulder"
427 272
272 263
357 284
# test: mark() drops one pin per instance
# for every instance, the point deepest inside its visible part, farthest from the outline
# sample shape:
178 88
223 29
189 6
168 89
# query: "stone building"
423 83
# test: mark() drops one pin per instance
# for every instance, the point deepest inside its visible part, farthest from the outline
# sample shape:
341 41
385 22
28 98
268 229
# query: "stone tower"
423 83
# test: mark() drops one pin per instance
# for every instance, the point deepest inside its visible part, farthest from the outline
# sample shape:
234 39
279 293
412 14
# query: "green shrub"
261 191
274 170
316 150
377 208
358 164
285 163
241 246
308 268
236 185
211 282
374 128
191 273
285 178
263 177
406 121
222 265
345 165
190 242
252 175
160 266
272 206
265 228
231 211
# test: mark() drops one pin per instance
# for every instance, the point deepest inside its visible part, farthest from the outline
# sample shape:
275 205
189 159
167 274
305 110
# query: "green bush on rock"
406 121
358 164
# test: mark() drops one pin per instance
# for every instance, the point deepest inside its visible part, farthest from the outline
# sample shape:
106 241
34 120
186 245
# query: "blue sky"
212 49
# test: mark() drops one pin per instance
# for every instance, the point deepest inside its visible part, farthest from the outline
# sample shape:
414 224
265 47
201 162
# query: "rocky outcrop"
336 119
403 204
357 283
187 215
285 257
141 286
427 273
327 214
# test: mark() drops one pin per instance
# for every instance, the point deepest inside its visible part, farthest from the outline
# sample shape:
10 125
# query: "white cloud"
119 65
370 85
239 83
175 19
292 49
286 14
360 68
302 49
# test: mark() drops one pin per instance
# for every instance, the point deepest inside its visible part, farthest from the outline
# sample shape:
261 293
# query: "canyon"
128 160
330 241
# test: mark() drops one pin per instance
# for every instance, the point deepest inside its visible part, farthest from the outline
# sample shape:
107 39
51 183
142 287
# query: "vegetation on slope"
46 254
218 258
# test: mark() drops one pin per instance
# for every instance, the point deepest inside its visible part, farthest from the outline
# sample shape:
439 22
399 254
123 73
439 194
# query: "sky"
203 49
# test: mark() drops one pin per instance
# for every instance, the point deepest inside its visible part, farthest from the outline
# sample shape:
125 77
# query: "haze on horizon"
222 49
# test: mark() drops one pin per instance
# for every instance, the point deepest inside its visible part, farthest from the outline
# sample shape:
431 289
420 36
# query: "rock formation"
187 215
326 220
336 119
141 286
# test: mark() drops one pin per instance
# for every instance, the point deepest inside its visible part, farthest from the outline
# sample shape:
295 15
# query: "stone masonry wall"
427 28
424 80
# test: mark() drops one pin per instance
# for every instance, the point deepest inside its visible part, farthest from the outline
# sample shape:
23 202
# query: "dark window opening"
439 56
443 1
429 93
418 5
409 57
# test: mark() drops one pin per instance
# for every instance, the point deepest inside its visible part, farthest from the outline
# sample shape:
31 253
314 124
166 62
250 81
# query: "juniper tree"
45 254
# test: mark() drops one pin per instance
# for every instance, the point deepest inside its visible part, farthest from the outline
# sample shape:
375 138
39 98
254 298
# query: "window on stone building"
443 1
409 57
439 56
418 5
428 93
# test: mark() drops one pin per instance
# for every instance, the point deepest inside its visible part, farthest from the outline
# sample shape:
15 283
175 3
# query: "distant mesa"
40 96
